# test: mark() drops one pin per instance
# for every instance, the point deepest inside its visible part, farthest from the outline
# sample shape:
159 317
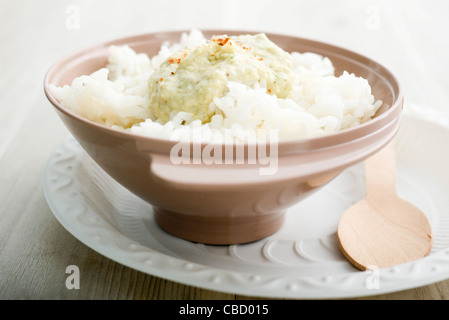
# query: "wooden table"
409 37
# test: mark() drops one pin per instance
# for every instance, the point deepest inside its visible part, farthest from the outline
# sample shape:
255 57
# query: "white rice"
320 103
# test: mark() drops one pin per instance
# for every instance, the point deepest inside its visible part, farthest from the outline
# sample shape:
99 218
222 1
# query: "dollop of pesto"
190 79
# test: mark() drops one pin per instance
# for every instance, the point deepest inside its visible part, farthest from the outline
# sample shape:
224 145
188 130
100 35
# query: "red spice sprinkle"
171 60
269 90
221 41
161 79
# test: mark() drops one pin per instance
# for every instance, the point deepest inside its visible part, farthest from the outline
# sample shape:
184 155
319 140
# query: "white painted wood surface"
408 36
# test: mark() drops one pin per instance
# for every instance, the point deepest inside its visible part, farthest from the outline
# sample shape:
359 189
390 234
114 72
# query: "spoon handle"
380 173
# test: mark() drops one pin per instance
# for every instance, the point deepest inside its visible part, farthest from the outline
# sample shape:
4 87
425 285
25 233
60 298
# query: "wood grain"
34 248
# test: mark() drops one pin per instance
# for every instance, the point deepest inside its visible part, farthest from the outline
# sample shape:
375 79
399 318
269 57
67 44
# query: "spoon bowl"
383 230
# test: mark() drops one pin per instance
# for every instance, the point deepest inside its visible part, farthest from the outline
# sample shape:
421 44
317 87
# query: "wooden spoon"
383 230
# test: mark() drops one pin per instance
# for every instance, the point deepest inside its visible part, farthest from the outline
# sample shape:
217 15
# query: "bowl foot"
218 230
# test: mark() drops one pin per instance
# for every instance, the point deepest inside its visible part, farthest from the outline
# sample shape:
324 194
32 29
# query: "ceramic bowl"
227 203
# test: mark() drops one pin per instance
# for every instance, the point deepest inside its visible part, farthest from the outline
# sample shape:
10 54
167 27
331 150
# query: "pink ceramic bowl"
228 203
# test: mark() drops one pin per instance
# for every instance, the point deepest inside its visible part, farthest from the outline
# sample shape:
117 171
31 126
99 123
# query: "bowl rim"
319 142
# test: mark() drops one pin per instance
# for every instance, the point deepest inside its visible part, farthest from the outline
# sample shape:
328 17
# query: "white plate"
302 260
